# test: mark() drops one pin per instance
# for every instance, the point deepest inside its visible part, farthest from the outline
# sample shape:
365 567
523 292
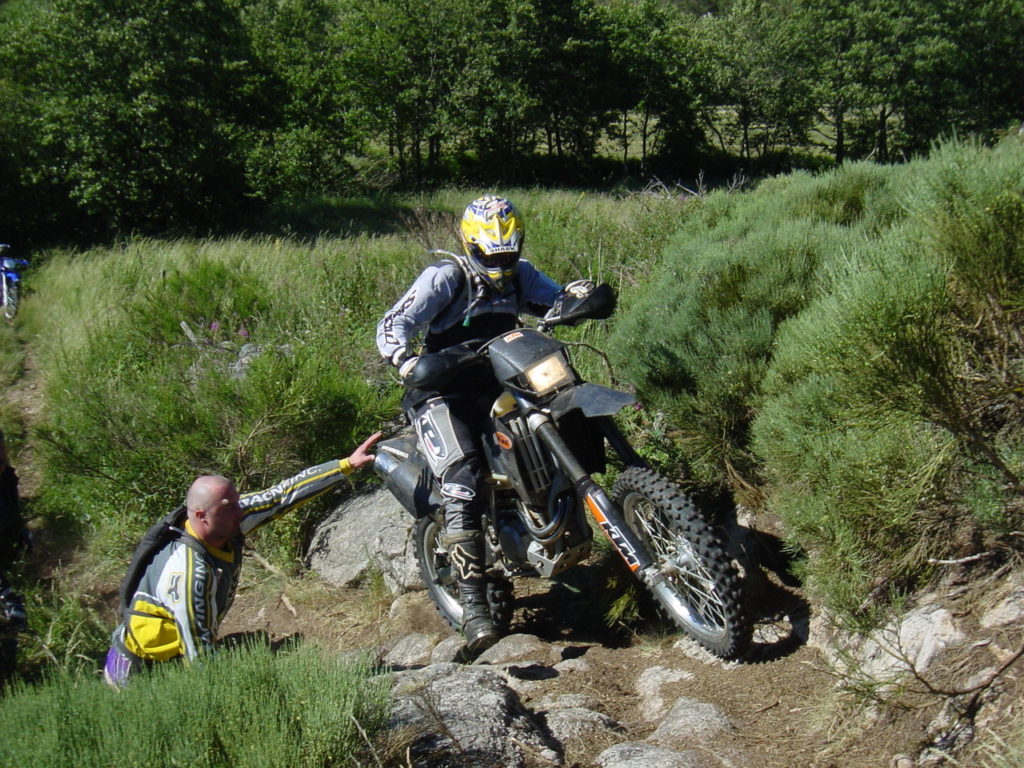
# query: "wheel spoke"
676 559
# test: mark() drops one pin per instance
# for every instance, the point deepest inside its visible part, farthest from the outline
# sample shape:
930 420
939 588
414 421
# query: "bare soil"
781 702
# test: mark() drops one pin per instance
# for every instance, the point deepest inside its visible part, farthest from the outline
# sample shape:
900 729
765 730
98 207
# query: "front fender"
592 399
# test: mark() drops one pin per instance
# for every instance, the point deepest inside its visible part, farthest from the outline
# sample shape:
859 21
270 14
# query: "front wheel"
10 298
439 578
696 584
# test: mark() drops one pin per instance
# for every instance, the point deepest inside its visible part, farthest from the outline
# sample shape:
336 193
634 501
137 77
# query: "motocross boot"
466 549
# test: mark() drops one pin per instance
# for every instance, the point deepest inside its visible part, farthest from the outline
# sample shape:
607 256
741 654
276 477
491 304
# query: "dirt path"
779 706
22 397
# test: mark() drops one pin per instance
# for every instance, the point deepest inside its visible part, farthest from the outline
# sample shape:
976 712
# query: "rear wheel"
697 584
439 578
10 298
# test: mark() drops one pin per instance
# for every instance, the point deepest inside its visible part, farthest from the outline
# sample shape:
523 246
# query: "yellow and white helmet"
492 234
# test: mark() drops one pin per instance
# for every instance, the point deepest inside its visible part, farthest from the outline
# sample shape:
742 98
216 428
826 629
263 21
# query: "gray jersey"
442 298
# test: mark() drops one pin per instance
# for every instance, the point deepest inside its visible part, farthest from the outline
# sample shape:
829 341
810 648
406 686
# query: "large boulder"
467 715
368 532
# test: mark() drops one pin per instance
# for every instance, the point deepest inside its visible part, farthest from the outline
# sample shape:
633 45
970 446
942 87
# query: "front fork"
604 511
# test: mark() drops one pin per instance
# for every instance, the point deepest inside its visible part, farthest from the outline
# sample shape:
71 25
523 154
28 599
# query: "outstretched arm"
262 506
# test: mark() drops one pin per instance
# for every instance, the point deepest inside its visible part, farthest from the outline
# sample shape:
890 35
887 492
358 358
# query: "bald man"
190 583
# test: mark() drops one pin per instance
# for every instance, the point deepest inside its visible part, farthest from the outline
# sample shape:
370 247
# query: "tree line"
150 115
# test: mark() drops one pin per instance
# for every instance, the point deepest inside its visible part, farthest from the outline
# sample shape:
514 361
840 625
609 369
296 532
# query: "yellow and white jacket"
189 586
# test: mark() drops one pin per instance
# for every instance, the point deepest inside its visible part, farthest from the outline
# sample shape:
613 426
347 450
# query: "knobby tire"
701 593
436 572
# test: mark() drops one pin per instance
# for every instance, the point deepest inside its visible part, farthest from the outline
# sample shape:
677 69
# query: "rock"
517 647
914 640
578 723
573 666
690 722
632 754
650 685
1009 611
369 531
696 651
911 643
467 714
410 651
448 650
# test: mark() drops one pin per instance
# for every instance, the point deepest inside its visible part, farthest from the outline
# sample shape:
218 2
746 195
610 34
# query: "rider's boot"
466 549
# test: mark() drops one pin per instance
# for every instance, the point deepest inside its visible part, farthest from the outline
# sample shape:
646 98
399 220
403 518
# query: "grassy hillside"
841 350
251 356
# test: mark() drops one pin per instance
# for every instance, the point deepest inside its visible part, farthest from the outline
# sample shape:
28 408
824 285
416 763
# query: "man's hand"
360 456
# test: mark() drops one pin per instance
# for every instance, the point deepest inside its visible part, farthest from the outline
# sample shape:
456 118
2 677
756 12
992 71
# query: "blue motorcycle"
12 277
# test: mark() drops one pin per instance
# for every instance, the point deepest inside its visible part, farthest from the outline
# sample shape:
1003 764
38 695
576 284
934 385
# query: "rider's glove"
407 365
404 362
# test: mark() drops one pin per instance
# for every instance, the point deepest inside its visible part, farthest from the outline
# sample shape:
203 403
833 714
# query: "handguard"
582 300
433 370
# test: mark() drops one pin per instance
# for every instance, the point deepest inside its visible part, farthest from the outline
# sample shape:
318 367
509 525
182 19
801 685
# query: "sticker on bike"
614 534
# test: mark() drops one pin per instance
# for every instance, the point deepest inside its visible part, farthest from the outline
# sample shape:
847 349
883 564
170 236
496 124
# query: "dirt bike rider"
474 296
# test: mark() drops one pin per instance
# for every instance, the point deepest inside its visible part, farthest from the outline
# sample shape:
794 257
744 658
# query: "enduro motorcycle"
546 436
9 282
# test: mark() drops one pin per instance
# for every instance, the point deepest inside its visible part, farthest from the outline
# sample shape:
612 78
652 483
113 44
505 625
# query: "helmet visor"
501 260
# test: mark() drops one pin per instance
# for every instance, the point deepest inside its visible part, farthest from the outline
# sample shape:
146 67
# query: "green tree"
966 71
136 103
655 74
573 60
500 113
301 149
760 90
402 60
891 76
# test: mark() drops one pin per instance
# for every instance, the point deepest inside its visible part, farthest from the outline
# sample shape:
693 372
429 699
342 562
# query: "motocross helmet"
492 235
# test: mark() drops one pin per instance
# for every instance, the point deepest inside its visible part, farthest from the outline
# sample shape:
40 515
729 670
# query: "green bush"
890 425
205 358
698 339
245 707
845 351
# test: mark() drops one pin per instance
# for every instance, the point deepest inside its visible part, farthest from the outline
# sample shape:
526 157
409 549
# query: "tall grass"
253 356
235 709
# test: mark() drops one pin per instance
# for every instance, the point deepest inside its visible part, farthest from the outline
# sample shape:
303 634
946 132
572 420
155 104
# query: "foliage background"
220 197
150 117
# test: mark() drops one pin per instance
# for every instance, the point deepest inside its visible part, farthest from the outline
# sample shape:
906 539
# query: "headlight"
549 374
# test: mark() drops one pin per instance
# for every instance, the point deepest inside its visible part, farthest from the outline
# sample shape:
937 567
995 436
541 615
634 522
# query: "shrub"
890 425
245 707
699 340
209 360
